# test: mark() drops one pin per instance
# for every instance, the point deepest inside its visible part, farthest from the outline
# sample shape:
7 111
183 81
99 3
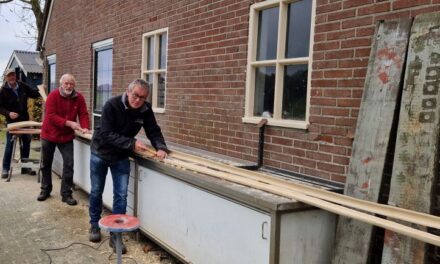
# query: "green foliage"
2 121
35 109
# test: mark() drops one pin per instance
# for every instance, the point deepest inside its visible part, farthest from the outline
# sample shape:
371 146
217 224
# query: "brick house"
201 81
217 67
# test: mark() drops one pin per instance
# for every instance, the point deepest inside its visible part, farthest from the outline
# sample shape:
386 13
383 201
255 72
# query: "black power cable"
45 250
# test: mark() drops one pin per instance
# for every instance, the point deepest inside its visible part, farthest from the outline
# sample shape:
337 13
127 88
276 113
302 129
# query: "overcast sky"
9 29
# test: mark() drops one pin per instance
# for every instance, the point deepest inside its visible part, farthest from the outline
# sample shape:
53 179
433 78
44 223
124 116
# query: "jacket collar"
124 99
5 85
12 88
63 94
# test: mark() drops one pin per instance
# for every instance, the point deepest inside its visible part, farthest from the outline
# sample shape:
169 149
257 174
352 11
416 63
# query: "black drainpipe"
261 126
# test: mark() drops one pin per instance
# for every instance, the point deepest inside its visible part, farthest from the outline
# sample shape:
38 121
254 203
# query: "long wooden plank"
260 181
416 156
23 124
370 207
376 115
334 208
366 206
42 92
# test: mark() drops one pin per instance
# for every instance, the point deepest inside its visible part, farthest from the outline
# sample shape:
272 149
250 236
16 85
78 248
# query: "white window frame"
51 59
155 71
279 64
96 47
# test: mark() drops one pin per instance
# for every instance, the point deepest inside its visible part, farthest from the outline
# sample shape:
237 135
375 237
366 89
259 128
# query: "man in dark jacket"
113 142
64 107
13 105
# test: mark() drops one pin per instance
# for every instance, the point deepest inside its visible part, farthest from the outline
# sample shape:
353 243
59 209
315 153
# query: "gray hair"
139 83
67 76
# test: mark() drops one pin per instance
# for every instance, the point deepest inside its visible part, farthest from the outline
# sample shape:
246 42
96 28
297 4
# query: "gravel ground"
27 227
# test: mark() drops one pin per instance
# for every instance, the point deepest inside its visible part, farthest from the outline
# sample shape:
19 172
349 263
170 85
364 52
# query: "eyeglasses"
138 97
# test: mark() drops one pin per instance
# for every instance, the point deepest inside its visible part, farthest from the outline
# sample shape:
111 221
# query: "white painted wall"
201 226
81 176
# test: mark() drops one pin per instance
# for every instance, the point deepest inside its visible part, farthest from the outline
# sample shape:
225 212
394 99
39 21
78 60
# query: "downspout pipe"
261 125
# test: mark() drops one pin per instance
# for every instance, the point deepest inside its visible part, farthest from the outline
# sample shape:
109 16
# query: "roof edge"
47 13
13 56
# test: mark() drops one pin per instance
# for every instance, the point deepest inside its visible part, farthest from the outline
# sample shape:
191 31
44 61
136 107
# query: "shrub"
35 109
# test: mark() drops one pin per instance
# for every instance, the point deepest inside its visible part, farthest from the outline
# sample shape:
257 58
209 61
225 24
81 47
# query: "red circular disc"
119 223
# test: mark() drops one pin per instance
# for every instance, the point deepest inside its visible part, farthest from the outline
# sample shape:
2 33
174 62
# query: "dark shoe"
5 174
112 243
69 200
28 171
43 196
94 234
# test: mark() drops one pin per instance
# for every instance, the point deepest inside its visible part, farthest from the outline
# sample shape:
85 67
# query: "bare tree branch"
27 11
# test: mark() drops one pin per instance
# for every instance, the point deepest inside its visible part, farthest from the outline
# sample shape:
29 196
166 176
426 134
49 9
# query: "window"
279 59
51 73
102 76
154 66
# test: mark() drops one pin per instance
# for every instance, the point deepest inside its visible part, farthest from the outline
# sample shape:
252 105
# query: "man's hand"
140 146
161 154
13 115
86 131
73 125
77 127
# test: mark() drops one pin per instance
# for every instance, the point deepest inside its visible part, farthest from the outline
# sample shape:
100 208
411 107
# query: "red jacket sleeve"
83 115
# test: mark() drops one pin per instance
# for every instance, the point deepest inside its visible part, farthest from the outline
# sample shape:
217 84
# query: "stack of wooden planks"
329 201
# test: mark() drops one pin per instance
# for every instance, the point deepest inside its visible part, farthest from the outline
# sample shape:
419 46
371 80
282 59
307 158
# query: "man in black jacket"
13 105
112 143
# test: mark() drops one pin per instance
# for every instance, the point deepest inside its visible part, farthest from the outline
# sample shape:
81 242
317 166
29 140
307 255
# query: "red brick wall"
343 36
207 53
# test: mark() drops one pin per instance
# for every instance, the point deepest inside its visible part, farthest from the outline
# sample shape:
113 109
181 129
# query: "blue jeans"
25 147
120 174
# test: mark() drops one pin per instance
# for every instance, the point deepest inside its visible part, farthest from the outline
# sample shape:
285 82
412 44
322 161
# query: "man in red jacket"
64 107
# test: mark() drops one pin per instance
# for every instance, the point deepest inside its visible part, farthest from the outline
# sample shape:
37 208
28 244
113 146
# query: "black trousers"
48 150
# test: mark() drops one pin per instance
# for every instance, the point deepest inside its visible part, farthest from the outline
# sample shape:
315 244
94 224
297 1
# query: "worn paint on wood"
381 90
416 156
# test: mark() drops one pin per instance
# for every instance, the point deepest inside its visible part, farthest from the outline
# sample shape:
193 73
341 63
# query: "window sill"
159 110
277 122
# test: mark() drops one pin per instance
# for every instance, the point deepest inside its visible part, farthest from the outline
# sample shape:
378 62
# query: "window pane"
161 90
103 78
298 29
150 53
163 51
264 91
96 121
267 34
295 92
52 77
149 80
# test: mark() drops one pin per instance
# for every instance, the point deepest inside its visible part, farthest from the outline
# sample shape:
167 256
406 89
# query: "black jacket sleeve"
153 131
31 92
3 110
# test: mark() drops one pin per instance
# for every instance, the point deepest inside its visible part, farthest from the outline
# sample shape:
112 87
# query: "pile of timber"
333 202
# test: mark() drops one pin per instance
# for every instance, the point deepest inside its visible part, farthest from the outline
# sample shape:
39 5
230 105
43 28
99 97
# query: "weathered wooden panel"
381 90
416 156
